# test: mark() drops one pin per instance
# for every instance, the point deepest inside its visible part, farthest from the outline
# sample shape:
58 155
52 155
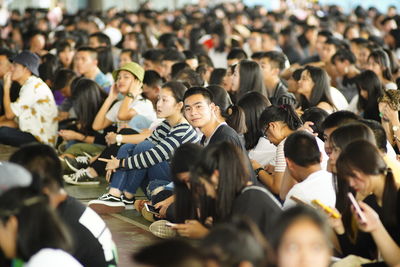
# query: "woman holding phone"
361 164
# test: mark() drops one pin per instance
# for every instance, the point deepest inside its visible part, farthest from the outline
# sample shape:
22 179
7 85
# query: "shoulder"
47 257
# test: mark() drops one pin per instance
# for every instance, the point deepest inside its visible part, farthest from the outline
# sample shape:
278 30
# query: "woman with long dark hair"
314 88
370 90
363 167
257 145
379 62
31 231
248 77
277 122
219 190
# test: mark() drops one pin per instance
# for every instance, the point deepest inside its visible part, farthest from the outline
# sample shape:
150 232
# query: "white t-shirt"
264 152
36 111
49 257
338 99
318 185
143 107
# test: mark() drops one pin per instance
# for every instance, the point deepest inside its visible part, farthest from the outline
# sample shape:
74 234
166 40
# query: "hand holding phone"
152 209
326 209
357 208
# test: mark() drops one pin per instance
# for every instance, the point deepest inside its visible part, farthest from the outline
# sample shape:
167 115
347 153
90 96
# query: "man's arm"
9 114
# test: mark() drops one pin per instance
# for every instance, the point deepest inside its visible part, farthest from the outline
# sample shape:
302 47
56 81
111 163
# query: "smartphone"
325 208
152 209
170 224
357 207
298 200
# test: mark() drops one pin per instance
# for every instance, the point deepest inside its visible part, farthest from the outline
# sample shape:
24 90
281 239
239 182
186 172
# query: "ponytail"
236 119
389 199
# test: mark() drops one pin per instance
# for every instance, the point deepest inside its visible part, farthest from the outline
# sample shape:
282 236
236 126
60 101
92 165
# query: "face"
5 65
273 132
300 250
66 56
236 79
268 44
18 71
166 104
361 182
167 66
193 63
306 84
198 111
8 237
84 62
327 135
124 58
130 42
342 67
228 80
150 92
374 66
38 43
333 156
124 80
267 69
328 50
320 44
255 42
94 42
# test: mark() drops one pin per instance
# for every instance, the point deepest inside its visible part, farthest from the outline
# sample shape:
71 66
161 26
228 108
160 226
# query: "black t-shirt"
260 206
91 236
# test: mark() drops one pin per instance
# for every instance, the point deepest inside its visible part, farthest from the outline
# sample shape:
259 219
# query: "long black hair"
250 78
233 176
369 81
184 159
320 91
363 156
87 98
38 225
253 104
284 113
382 59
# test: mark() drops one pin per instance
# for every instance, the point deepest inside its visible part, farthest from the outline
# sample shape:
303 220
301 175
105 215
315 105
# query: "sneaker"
80 177
107 203
77 163
87 155
127 201
160 229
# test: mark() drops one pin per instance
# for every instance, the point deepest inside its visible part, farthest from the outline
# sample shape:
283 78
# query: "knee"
125 150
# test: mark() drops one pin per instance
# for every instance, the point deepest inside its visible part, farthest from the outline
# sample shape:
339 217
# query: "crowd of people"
271 137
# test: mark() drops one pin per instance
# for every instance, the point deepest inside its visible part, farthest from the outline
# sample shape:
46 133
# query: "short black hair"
317 116
257 55
342 55
301 147
177 67
102 38
189 77
379 132
133 54
339 118
189 54
152 78
61 46
62 78
276 57
198 90
89 49
173 55
237 53
6 52
154 55
334 41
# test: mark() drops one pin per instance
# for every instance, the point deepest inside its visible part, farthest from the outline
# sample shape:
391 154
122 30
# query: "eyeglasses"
265 130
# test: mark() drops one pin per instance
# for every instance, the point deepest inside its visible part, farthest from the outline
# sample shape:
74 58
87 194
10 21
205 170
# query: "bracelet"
257 171
396 138
130 95
118 138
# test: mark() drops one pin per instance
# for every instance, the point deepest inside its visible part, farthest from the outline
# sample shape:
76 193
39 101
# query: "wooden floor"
129 229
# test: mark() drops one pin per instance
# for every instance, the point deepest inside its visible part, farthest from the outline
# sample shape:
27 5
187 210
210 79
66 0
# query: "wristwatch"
257 171
395 128
118 138
130 95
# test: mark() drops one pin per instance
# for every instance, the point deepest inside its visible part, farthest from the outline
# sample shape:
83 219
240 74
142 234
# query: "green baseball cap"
133 68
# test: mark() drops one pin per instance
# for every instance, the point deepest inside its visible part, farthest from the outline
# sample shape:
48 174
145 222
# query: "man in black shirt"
272 63
199 110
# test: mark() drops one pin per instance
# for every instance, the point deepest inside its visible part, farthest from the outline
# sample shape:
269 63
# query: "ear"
215 178
290 164
180 105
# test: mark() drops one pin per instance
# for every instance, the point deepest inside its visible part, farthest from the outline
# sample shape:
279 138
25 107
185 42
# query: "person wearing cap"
133 109
32 117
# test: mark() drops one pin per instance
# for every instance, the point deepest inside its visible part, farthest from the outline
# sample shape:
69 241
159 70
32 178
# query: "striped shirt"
165 139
